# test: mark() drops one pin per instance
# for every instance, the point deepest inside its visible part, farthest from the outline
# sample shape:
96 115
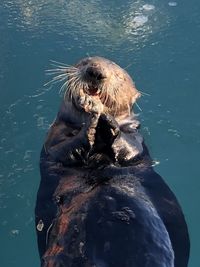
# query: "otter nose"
94 73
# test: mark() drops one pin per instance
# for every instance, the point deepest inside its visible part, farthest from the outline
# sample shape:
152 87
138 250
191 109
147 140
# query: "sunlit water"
157 41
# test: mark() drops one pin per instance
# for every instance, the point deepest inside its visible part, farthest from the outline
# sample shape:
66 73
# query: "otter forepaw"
90 104
111 124
108 129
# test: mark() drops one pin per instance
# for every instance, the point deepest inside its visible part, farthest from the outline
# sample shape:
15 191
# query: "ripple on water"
114 24
20 143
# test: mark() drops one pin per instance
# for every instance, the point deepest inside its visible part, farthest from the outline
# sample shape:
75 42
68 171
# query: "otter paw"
110 124
90 104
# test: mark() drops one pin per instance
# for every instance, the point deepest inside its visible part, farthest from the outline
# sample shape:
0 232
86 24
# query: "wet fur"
100 203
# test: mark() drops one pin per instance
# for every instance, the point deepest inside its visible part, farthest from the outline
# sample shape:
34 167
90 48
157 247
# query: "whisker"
73 93
67 71
128 66
72 79
138 106
54 73
63 67
64 75
56 79
60 76
144 94
61 64
54 82
63 87
56 70
66 84
74 85
73 82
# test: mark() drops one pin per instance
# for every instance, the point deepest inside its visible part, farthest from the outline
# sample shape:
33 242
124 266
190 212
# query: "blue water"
157 41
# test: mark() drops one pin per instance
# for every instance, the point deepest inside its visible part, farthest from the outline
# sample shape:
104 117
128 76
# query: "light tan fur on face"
116 90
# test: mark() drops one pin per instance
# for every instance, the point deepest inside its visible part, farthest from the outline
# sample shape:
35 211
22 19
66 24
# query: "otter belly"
127 232
110 224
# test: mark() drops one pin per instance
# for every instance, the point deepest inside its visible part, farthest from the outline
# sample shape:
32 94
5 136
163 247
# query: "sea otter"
100 203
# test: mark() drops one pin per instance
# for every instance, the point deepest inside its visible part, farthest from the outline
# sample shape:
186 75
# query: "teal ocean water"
157 41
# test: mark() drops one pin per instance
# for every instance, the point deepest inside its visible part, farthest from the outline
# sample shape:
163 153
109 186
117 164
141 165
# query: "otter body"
100 203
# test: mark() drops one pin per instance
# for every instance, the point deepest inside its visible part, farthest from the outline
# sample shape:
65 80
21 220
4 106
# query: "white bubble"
148 7
172 3
15 232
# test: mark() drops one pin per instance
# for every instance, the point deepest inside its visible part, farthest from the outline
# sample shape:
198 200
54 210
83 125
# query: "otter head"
101 79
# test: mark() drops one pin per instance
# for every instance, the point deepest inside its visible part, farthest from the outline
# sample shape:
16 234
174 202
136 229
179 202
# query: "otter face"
100 78
93 75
